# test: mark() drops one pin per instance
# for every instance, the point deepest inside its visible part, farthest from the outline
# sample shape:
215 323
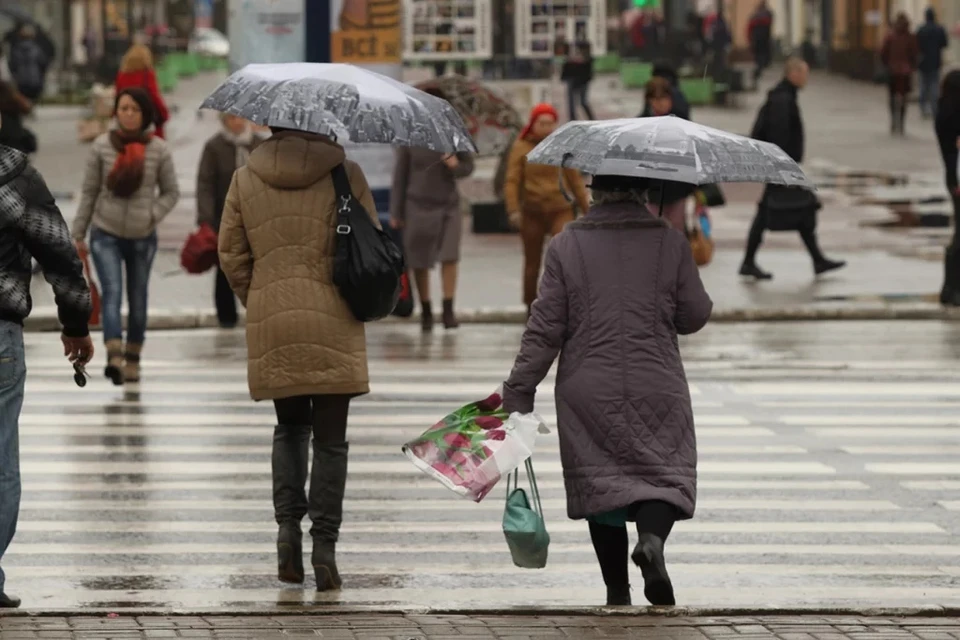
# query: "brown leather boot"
131 365
114 370
449 317
426 317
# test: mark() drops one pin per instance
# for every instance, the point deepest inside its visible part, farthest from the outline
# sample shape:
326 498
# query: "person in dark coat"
931 40
619 285
223 154
13 107
948 137
900 56
760 36
425 203
780 122
28 64
577 73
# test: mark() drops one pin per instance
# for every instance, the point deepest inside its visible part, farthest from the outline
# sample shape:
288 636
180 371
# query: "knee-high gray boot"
328 480
291 448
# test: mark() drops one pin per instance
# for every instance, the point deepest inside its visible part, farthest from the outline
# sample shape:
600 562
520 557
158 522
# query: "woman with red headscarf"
533 198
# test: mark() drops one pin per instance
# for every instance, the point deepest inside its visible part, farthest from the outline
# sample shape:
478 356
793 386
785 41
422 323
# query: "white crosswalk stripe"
161 496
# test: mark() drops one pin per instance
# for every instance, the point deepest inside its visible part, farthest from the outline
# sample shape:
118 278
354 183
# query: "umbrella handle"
563 189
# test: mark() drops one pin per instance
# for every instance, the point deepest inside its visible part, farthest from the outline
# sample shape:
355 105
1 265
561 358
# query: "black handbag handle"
344 193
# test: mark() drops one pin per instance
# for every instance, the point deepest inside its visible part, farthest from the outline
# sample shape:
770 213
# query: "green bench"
635 75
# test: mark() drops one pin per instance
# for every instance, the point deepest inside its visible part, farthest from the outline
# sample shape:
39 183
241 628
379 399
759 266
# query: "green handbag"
523 526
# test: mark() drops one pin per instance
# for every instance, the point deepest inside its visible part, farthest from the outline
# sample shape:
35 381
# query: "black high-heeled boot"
290 553
328 479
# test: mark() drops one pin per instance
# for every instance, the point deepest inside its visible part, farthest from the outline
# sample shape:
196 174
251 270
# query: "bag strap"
344 201
532 477
513 480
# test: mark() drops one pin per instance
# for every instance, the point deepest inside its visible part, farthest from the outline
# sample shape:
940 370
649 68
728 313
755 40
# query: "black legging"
611 543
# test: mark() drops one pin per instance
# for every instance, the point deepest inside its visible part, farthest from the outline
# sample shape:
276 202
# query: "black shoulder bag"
368 265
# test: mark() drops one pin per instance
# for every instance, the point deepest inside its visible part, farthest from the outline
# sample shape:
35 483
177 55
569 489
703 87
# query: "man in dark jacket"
760 36
31 226
785 208
932 40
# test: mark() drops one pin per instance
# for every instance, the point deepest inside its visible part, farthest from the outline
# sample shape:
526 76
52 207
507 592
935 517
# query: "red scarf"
126 176
542 109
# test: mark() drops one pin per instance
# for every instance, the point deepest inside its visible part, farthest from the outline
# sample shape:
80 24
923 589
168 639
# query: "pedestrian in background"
223 154
136 71
785 208
425 204
31 227
658 96
306 350
577 73
948 137
760 37
129 187
14 106
679 105
931 41
535 204
29 63
619 286
899 55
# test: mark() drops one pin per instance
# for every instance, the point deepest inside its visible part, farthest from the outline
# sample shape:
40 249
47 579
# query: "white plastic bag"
469 450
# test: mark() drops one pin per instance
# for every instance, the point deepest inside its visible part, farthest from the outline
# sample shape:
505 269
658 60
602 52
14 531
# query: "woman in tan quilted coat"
306 351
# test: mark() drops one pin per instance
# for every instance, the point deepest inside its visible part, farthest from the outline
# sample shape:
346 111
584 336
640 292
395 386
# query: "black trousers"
299 417
755 238
224 300
612 543
951 266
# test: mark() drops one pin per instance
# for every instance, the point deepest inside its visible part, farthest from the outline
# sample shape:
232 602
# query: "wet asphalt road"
829 476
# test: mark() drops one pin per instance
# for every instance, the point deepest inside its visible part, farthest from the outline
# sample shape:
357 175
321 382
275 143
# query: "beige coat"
134 217
277 245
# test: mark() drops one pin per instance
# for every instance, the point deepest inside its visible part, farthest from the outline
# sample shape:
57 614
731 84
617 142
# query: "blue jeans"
13 375
110 255
929 92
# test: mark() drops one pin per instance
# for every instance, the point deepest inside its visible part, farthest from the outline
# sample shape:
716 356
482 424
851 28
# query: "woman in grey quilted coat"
619 285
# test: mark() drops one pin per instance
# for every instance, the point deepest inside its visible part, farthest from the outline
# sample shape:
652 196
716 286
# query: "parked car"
209 42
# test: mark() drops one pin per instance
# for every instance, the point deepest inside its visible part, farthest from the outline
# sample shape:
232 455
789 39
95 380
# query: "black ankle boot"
824 265
648 555
327 483
290 553
449 317
619 596
426 317
750 269
9 602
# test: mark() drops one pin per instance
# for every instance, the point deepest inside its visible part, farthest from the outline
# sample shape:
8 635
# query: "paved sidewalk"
375 626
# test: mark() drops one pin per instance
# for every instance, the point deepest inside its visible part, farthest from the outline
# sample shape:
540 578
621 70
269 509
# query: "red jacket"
146 80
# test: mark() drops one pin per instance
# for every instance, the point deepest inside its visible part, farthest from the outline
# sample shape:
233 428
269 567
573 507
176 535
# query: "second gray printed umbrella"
667 148
342 100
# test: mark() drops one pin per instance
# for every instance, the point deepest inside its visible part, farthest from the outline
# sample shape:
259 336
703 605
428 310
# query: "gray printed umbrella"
344 101
667 148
